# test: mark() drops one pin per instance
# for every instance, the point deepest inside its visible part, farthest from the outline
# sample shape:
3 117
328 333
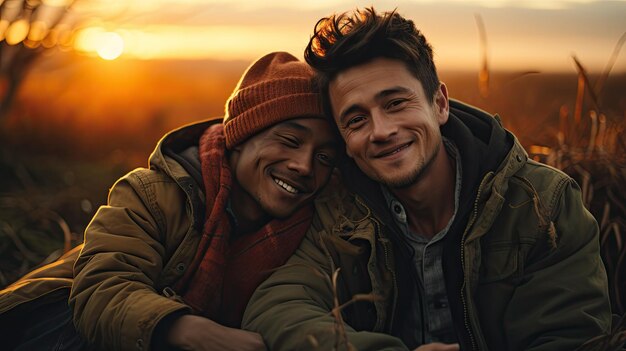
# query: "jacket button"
180 267
355 270
519 158
139 344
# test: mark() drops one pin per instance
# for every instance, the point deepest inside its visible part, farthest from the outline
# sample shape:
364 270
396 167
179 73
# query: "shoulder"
547 183
543 176
531 203
154 185
337 205
170 202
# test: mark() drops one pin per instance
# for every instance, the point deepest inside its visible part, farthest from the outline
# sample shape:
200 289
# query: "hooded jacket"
521 259
127 285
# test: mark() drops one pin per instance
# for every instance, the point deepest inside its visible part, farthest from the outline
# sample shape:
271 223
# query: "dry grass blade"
359 297
520 75
601 133
618 236
341 338
27 253
313 341
593 116
583 74
619 302
67 235
605 218
609 66
483 75
580 97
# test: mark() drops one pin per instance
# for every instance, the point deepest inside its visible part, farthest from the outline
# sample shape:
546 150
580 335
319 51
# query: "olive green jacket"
40 282
525 272
154 217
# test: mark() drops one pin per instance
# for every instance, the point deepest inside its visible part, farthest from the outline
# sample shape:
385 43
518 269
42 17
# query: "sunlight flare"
111 46
95 40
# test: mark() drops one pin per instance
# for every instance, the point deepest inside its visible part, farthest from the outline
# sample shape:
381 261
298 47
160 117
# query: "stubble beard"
273 211
415 175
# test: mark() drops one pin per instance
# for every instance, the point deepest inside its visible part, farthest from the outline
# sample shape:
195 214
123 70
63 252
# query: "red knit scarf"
223 274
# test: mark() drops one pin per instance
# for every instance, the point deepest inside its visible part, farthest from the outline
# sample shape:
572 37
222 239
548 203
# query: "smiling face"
282 168
390 127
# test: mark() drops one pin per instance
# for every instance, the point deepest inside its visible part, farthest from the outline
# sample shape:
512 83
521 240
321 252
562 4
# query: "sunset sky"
541 34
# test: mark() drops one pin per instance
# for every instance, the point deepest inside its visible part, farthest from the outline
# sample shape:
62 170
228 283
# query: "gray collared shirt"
428 319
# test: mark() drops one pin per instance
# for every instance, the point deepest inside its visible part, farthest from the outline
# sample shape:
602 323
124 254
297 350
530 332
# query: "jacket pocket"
499 261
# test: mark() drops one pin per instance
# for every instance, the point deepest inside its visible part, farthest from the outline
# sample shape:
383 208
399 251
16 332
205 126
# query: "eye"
356 121
326 159
290 141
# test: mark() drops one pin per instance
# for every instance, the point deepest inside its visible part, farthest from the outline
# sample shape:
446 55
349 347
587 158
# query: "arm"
291 309
191 332
563 298
114 300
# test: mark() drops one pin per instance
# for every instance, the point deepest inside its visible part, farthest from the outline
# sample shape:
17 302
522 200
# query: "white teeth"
286 186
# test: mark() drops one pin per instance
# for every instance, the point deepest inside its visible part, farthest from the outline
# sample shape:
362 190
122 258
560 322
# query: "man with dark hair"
173 258
462 241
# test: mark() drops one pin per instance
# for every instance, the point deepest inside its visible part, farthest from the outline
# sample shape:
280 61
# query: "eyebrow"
391 91
379 96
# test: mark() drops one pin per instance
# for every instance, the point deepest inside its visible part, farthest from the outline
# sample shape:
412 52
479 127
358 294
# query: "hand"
437 346
191 332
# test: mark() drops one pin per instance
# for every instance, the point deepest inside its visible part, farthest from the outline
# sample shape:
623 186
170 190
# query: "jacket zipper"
463 301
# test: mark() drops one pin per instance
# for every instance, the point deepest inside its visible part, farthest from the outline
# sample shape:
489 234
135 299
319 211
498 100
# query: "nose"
382 127
302 162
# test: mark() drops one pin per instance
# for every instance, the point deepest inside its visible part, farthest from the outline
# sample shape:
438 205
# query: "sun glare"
111 46
107 45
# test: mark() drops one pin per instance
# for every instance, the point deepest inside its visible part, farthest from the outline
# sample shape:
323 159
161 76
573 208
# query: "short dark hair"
343 41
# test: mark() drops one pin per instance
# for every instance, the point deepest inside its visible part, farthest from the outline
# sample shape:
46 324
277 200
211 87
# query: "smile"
289 188
394 151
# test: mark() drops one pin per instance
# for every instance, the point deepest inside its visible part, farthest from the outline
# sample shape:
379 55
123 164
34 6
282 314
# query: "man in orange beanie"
173 258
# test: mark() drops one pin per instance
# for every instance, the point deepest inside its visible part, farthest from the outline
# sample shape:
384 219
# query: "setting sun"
107 45
111 46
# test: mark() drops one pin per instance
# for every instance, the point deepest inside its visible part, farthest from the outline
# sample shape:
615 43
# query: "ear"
441 104
233 156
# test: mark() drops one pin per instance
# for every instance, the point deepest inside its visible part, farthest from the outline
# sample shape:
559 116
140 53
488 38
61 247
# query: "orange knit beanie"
275 88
